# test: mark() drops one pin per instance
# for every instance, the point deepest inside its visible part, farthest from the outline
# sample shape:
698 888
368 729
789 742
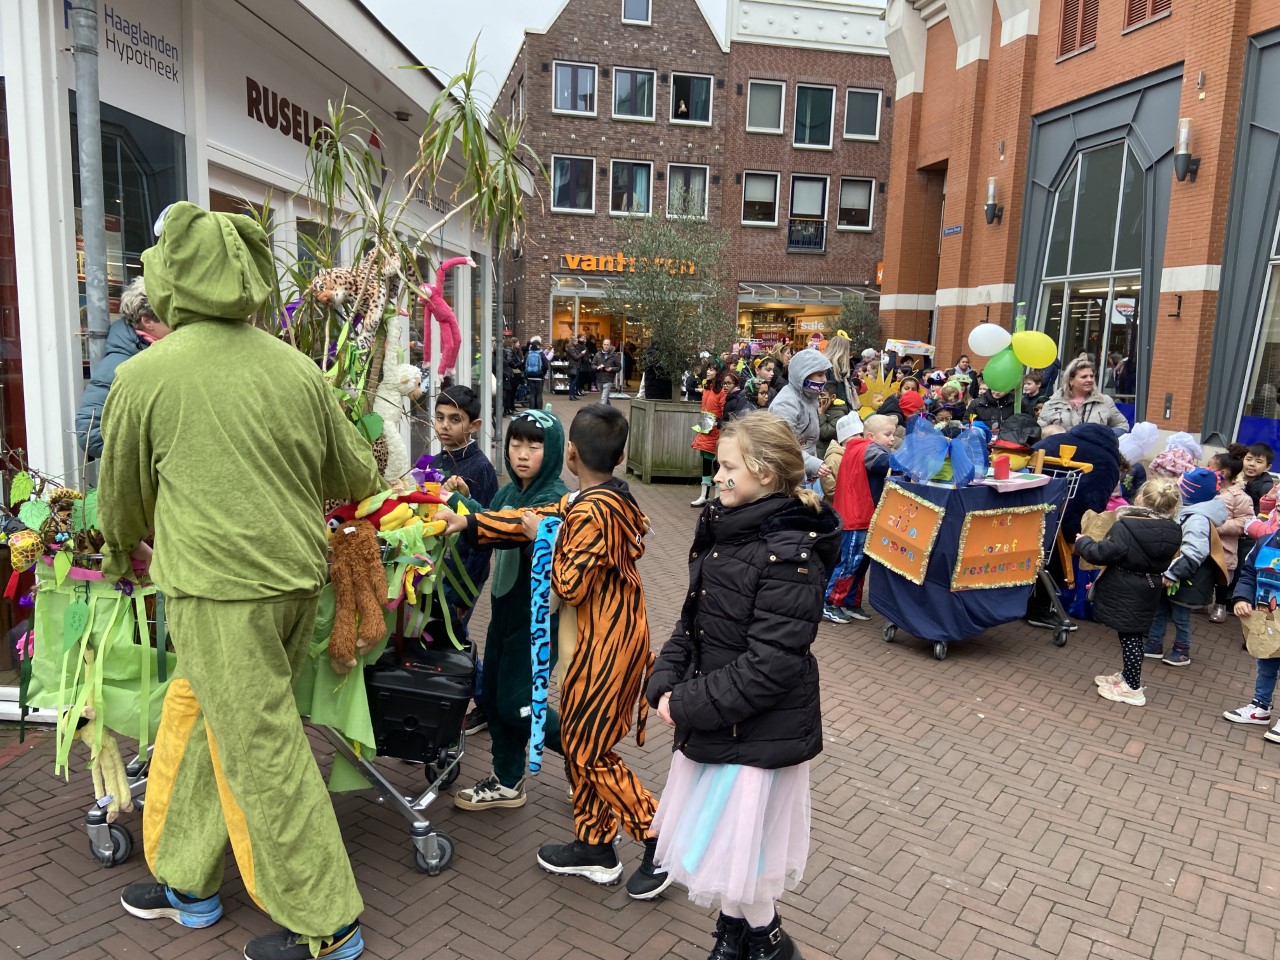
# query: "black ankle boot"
771 943
731 939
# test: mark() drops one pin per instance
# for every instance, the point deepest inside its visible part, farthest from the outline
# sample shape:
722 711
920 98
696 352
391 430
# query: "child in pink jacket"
1229 467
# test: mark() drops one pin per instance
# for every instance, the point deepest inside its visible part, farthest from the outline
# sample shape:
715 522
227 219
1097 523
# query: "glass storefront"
769 324
1091 290
1260 419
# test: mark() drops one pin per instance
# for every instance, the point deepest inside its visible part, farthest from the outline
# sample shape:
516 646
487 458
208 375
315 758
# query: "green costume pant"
232 761
508 687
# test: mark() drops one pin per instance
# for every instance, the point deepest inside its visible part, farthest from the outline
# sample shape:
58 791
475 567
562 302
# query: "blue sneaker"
347 945
1177 658
155 901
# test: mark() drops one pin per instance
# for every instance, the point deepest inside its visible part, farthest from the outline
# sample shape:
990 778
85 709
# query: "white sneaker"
1122 693
702 497
1273 734
489 793
1249 713
1108 679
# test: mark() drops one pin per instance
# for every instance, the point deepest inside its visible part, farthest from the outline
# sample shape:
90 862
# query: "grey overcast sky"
440 38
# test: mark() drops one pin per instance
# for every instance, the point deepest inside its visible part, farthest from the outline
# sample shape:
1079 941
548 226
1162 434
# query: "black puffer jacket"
744 686
1136 551
992 410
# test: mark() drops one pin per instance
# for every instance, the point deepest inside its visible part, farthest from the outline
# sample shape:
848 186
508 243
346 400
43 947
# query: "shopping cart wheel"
121 846
889 632
939 650
1060 637
450 778
432 866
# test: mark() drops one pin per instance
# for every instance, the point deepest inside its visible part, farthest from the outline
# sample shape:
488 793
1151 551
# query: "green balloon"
1003 371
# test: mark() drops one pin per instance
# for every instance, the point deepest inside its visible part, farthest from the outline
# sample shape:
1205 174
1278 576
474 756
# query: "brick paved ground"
987 806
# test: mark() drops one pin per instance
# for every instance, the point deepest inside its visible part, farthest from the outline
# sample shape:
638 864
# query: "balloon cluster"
1009 352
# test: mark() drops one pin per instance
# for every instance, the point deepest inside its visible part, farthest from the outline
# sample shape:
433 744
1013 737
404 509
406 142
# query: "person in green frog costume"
223 443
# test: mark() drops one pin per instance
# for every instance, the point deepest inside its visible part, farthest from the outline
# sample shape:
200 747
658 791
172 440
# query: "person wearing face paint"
797 405
1078 400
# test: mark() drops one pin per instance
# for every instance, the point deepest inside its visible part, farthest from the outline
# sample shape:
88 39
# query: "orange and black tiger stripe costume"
594 570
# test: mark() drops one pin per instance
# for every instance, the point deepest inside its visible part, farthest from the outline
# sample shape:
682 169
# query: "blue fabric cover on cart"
1099 446
931 611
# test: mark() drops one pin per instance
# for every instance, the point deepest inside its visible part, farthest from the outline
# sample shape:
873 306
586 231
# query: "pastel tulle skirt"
733 833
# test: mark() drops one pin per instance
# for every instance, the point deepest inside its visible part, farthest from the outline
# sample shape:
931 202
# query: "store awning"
572 285
802 293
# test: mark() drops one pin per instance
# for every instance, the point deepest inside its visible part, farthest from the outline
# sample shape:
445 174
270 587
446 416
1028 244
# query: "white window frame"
520 91
653 117
777 185
782 107
624 213
871 207
826 194
879 111
595 89
706 190
711 100
637 23
795 113
573 210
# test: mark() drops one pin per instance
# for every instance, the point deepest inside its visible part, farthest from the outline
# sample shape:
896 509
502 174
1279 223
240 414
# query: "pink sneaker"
1108 679
1122 693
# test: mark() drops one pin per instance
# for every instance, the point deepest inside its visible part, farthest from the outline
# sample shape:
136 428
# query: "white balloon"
988 339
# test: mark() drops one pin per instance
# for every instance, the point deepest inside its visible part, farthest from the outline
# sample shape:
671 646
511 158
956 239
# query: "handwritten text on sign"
903 531
999 548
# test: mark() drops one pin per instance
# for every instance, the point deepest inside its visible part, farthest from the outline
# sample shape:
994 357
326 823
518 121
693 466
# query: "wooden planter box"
659 443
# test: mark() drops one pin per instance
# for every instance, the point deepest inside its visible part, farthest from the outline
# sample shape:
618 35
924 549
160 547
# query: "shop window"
1138 12
318 245
1079 26
573 184
633 93
760 199
686 190
764 105
862 114
630 187
690 98
1263 396
636 11
815 111
855 203
575 88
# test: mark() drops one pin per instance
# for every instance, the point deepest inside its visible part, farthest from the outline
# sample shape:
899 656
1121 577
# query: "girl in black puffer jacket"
1136 552
740 685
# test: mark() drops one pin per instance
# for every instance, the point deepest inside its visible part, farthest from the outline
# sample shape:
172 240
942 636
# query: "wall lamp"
993 211
1184 164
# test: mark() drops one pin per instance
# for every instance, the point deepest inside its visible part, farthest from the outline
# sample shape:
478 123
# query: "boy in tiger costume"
594 570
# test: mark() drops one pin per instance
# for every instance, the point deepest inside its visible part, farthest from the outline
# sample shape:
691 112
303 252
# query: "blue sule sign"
952 231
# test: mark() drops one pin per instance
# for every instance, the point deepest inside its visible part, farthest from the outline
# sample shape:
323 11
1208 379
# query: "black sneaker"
598 862
155 901
347 945
476 721
856 613
649 880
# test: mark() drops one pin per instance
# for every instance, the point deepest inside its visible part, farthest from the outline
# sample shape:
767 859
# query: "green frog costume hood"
545 487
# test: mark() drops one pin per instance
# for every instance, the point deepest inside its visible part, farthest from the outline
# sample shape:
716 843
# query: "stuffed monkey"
359 586
435 305
399 380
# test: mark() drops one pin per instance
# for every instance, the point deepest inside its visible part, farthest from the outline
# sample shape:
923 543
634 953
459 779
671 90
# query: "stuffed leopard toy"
364 290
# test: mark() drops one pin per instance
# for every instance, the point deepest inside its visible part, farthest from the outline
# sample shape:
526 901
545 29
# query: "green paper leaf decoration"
61 565
370 426
33 513
74 620
84 513
20 488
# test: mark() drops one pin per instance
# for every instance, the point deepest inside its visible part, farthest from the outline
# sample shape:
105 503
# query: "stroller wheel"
432 865
433 772
939 650
889 632
1060 637
121 846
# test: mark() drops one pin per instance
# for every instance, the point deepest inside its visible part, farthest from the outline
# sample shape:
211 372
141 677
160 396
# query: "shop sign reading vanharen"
620 263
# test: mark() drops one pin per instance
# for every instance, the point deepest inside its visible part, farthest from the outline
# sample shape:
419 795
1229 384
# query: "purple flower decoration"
125 586
289 310
425 472
27 600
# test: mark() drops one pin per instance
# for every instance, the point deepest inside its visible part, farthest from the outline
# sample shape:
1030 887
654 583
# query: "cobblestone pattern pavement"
986 807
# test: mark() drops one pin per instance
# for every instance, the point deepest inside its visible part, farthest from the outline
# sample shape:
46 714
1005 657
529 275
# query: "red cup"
1000 466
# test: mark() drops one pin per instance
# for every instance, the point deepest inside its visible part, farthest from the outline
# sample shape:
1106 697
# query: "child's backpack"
1267 563
535 364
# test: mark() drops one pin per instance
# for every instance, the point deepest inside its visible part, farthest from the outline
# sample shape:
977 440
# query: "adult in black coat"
1136 552
992 409
743 682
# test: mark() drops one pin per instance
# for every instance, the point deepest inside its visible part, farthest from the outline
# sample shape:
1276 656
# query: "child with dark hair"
593 570
1229 466
1257 461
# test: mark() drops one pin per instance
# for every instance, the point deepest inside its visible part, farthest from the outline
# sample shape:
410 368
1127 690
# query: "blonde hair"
838 353
1161 495
769 446
134 304
877 422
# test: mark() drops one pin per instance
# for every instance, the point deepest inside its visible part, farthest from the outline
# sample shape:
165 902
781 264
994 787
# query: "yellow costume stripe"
237 826
177 719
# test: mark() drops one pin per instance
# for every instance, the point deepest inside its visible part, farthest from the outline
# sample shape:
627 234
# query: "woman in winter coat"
1240 513
739 683
1136 551
1077 400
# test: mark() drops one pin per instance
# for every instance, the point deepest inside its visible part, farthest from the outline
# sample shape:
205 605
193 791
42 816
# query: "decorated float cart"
388 674
967 523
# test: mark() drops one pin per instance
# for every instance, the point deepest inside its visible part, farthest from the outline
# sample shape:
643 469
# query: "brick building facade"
626 100
1080 121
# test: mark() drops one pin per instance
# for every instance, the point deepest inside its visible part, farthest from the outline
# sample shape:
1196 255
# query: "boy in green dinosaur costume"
224 442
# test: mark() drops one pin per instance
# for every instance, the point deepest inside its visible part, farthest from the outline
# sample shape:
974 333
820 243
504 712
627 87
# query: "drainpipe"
84 47
499 344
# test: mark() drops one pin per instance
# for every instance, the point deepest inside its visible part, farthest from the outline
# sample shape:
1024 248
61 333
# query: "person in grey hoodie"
1194 571
797 403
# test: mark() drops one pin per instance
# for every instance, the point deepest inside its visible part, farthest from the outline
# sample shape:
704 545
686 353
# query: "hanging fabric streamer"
540 638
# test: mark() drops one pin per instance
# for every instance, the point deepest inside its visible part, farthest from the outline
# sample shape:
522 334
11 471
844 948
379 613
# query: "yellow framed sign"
903 531
999 548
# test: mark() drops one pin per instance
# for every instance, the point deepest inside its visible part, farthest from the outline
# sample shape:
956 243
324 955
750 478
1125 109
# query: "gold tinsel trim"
1041 508
888 561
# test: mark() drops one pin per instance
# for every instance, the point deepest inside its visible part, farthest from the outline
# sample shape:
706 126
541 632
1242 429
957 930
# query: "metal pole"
84 46
499 344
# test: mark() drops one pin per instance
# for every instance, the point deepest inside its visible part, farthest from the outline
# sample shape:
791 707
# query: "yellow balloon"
1035 349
